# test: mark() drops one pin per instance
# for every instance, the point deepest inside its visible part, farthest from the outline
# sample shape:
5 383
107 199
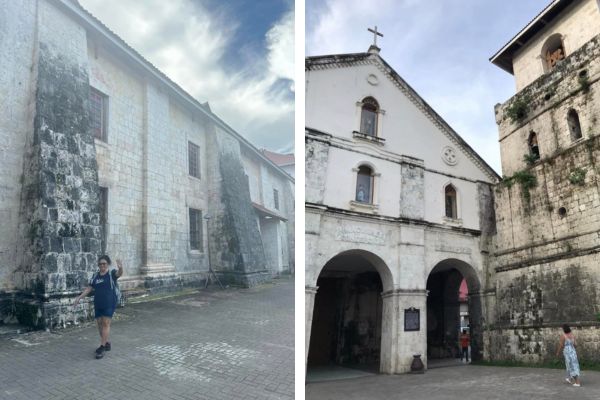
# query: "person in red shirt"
464 340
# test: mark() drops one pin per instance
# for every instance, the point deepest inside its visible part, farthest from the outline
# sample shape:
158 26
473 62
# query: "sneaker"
569 381
107 346
576 385
100 352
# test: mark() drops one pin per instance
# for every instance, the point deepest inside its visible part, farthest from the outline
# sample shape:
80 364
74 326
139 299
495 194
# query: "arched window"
532 143
450 195
574 126
364 185
368 116
553 51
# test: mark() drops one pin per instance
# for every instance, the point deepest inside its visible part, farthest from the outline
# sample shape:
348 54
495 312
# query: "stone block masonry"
59 202
547 249
236 245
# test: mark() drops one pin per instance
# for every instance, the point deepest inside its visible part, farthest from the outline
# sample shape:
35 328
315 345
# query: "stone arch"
553 51
532 145
444 308
574 124
385 273
347 317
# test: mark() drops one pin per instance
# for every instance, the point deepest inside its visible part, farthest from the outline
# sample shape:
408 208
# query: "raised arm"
85 292
120 268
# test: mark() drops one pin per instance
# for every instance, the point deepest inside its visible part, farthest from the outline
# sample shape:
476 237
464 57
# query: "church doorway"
453 305
347 315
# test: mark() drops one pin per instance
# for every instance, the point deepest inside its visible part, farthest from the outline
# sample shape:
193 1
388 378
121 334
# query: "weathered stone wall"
571 85
237 252
121 157
316 154
59 216
17 86
546 252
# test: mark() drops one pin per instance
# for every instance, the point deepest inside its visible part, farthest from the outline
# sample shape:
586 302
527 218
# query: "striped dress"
571 357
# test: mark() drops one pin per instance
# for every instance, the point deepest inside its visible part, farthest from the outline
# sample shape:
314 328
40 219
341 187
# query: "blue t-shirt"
104 295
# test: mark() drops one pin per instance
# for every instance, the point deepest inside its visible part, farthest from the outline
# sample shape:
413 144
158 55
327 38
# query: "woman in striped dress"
567 345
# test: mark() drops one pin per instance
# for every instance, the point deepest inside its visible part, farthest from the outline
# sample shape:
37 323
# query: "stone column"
476 318
309 303
59 218
398 346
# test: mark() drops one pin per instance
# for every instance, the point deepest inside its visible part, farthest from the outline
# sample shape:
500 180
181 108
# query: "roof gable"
357 59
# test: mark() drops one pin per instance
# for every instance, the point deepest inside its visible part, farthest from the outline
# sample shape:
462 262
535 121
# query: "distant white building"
397 205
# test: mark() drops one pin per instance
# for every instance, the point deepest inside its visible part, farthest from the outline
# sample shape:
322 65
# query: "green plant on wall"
577 176
518 109
530 159
584 83
525 179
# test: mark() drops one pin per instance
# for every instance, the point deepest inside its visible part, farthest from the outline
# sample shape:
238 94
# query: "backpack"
114 285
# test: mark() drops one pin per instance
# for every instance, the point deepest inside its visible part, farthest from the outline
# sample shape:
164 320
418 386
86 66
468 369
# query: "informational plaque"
411 319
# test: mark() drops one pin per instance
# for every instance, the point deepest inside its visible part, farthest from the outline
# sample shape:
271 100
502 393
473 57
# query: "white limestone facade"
384 248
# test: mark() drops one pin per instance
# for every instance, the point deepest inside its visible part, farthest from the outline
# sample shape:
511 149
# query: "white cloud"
188 43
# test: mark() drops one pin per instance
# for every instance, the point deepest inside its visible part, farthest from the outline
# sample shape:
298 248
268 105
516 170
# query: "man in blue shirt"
104 284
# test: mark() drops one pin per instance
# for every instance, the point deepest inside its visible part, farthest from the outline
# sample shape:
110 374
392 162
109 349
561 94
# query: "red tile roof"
279 159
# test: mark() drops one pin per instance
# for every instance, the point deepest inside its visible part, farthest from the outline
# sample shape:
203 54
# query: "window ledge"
457 222
373 139
194 177
364 207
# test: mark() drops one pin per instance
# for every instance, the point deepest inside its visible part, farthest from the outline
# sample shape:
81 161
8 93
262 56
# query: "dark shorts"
103 312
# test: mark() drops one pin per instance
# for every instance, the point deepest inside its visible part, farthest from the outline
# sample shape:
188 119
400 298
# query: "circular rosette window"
449 155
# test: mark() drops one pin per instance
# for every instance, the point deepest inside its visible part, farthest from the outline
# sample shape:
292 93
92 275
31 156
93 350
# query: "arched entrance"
449 310
347 315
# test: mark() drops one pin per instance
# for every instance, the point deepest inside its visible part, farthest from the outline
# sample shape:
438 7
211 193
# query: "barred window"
195 229
194 159
98 114
276 199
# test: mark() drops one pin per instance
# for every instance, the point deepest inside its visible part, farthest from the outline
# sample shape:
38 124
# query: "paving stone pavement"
211 344
468 382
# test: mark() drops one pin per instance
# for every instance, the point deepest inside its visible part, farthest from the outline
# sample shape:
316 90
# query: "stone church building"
103 153
399 209
397 206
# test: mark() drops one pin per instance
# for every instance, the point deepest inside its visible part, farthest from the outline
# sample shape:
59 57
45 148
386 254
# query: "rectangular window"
99 114
194 159
104 216
195 229
276 199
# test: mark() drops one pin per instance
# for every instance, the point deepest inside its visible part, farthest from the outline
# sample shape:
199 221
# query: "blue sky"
441 48
237 54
